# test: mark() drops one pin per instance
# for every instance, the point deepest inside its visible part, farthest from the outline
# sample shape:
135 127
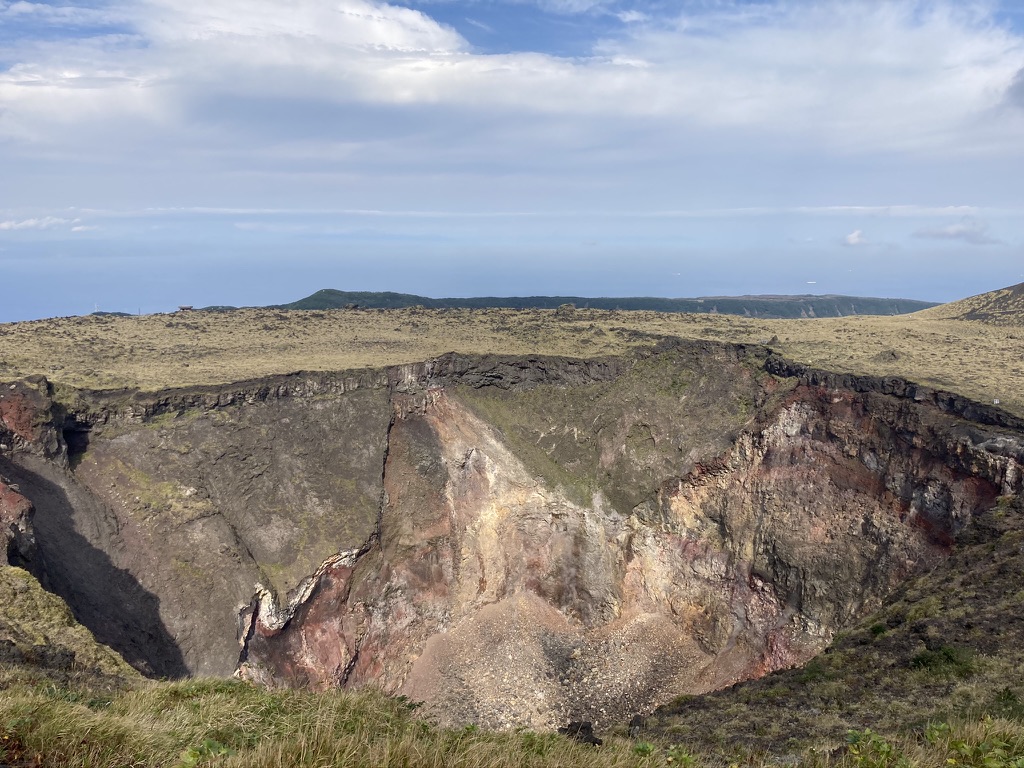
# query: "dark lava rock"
581 731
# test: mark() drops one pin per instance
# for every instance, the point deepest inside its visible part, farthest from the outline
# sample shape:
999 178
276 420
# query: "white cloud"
855 238
632 17
56 14
1015 91
42 223
901 211
760 109
360 24
881 211
903 75
480 25
970 231
572 6
858 75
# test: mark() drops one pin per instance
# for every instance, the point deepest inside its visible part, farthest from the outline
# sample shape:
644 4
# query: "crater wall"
514 541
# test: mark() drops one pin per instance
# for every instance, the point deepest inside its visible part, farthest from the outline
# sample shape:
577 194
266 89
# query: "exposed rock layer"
17 540
514 541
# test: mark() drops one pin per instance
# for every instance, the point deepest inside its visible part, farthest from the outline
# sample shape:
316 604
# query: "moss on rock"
38 629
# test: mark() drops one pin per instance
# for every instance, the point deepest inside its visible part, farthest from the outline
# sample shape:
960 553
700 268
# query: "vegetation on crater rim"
941 347
933 679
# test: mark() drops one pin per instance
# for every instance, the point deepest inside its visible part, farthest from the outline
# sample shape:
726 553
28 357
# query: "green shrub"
870 750
1009 705
208 749
948 659
644 748
679 757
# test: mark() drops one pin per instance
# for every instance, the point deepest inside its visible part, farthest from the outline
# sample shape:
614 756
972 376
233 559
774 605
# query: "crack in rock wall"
548 540
497 599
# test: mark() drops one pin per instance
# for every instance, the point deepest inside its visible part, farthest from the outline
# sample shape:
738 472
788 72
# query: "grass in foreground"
232 724
229 723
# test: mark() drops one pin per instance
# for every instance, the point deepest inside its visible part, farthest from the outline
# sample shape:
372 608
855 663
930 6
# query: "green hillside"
1001 307
751 306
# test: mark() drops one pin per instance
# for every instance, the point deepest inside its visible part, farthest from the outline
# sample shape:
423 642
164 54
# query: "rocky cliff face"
24 416
517 541
17 542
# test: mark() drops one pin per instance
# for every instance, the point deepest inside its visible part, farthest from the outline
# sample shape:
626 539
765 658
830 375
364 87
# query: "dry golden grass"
32 619
235 725
1002 307
981 360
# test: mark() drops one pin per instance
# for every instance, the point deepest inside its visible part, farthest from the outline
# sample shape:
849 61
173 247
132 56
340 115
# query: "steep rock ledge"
17 539
29 421
512 540
498 599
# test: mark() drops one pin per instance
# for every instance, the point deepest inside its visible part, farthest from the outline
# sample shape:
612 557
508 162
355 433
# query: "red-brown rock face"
499 597
16 539
512 541
26 418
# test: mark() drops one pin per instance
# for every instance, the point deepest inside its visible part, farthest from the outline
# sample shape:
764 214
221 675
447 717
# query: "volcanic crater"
514 541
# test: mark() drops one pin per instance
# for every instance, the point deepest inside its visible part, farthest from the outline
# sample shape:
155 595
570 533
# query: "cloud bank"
969 231
44 223
861 76
695 132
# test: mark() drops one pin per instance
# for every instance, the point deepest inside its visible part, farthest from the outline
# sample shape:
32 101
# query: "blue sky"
159 152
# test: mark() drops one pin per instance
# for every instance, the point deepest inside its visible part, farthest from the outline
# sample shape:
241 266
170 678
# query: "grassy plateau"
938 347
907 687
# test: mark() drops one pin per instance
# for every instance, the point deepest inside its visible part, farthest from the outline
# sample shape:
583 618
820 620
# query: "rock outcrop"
38 631
28 421
514 541
17 541
498 598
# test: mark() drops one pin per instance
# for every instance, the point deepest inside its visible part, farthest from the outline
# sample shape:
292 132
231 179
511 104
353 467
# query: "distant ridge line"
1003 306
768 307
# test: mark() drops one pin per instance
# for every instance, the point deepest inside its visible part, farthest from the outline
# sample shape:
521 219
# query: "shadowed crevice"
106 599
